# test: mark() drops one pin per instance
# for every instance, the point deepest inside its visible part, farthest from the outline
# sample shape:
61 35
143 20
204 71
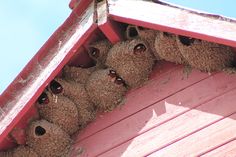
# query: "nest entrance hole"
39 131
132 32
187 41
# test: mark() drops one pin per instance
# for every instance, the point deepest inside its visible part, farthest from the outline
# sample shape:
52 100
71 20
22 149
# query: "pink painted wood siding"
172 115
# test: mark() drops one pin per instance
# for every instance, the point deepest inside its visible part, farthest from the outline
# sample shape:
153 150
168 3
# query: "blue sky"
27 24
222 7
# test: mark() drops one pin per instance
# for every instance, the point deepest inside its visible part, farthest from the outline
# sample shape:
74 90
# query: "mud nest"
106 89
205 56
132 60
147 35
6 154
167 49
59 110
78 94
48 140
98 52
77 74
22 151
71 102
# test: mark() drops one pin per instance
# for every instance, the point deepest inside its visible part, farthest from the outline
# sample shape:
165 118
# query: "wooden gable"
172 115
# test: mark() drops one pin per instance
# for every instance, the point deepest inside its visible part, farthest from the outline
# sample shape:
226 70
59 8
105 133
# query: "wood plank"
160 70
81 4
159 113
44 66
174 20
164 82
226 150
176 129
111 30
203 140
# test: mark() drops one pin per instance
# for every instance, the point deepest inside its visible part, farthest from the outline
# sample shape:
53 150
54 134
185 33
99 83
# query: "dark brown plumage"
77 93
105 89
204 55
132 60
167 49
60 110
48 139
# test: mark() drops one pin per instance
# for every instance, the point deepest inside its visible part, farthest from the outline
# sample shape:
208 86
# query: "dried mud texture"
6 154
230 70
205 56
61 111
145 34
98 52
104 90
167 48
78 94
48 139
132 60
77 74
24 151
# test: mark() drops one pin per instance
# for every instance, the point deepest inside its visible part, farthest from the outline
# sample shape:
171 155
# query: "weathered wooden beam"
175 20
109 28
19 97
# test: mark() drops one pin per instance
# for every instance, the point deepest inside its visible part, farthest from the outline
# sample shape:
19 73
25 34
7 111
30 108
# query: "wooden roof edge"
79 3
176 20
46 64
200 12
21 94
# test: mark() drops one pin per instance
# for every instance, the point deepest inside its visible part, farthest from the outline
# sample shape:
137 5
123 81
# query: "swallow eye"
139 48
187 41
43 99
56 87
112 74
94 52
119 81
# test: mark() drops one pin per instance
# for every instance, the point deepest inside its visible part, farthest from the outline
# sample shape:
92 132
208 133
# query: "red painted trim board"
44 66
174 20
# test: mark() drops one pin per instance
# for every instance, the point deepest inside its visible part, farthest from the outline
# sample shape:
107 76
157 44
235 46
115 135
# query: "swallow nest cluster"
70 102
